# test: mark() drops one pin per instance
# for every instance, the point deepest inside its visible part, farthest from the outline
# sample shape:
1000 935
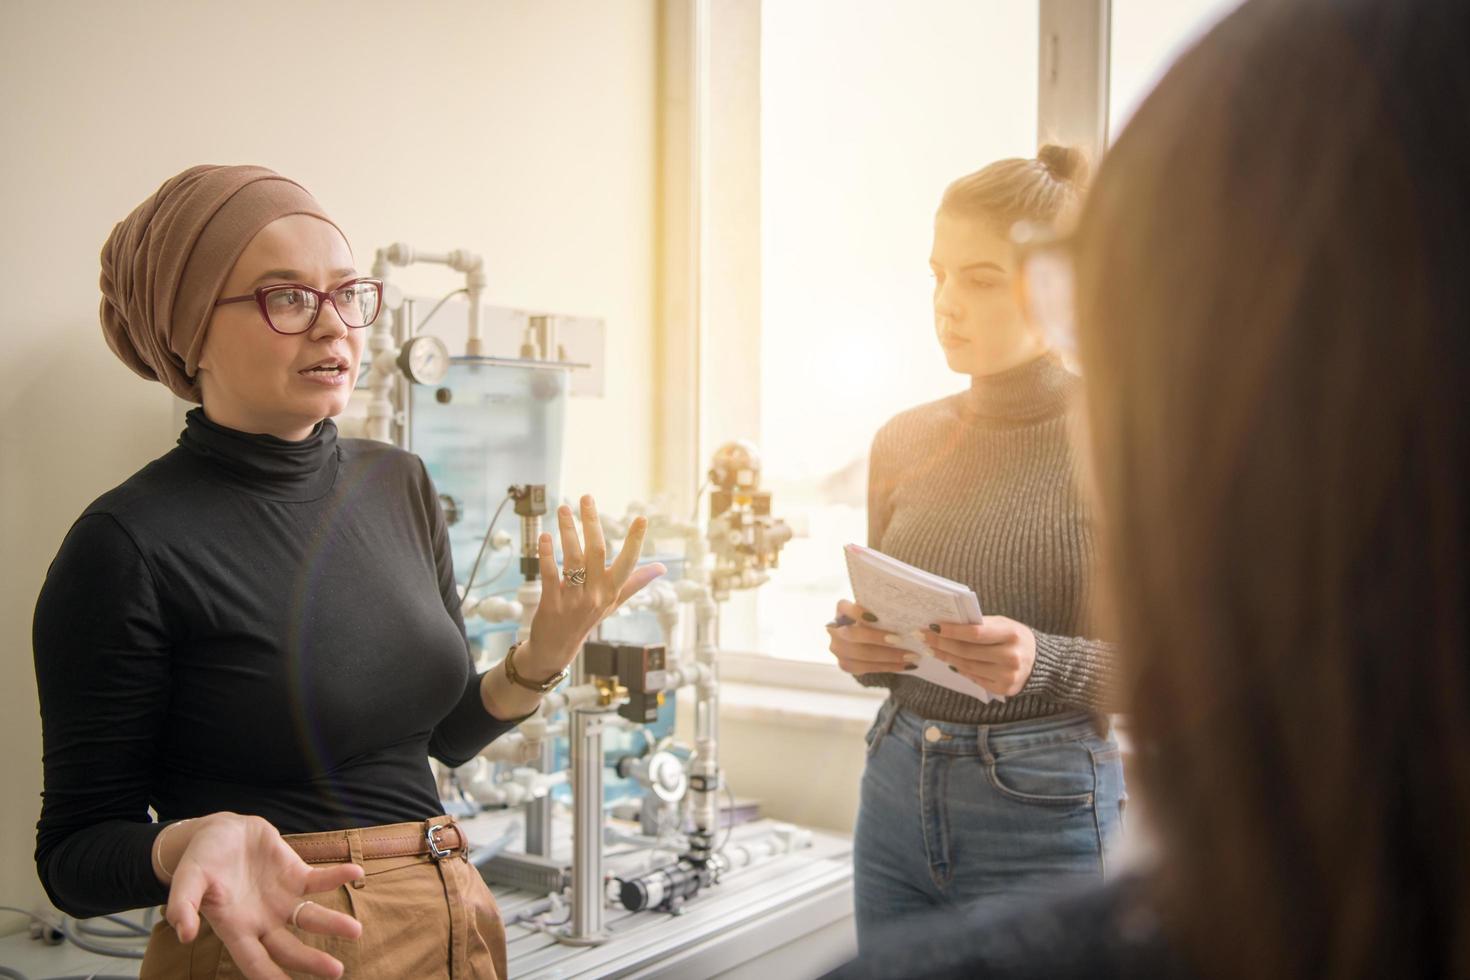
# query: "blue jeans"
952 814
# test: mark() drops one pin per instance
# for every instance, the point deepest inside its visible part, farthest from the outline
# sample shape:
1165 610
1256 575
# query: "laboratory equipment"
490 432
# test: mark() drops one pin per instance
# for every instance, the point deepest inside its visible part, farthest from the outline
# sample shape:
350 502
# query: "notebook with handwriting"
906 600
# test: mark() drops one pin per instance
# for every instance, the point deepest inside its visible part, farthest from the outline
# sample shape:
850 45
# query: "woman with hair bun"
964 799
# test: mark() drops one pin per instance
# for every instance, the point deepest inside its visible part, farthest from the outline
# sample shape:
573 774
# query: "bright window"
1148 35
868 110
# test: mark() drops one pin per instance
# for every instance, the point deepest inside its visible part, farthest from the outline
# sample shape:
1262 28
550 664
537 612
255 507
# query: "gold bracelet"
168 876
530 685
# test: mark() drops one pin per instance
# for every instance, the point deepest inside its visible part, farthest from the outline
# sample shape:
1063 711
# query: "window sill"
763 670
838 714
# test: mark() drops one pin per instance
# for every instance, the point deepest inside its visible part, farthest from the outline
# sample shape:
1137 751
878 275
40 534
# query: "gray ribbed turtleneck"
980 488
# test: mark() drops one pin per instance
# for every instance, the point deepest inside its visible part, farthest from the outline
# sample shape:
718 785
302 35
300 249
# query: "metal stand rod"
585 736
704 767
586 826
587 844
538 811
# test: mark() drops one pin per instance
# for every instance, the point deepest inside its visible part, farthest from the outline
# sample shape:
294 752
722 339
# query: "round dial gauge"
425 360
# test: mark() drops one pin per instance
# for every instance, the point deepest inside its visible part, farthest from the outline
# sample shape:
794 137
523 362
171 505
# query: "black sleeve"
102 673
467 728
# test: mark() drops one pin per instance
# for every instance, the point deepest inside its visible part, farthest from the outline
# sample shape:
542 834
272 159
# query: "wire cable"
498 571
34 917
698 496
74 931
730 815
101 949
418 327
474 569
127 929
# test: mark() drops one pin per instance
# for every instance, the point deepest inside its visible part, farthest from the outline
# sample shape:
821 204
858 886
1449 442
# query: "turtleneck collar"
1035 390
264 465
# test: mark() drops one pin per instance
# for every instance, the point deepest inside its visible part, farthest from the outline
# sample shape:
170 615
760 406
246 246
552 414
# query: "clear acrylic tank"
489 424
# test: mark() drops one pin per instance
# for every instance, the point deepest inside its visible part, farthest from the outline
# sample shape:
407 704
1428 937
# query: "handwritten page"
906 600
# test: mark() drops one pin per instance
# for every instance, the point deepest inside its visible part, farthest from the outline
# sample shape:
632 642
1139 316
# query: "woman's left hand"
568 612
997 654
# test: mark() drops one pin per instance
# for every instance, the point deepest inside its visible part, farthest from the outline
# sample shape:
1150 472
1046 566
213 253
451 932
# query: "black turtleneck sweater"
253 625
981 488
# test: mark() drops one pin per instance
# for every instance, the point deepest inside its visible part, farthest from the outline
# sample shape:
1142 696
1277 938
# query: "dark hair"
1275 328
1042 190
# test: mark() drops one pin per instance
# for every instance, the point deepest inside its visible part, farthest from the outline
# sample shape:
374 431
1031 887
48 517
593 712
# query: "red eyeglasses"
292 308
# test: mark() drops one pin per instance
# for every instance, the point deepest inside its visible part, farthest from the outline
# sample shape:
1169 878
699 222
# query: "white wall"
803 768
522 129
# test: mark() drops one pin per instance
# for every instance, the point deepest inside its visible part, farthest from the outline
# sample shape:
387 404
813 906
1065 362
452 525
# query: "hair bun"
1063 162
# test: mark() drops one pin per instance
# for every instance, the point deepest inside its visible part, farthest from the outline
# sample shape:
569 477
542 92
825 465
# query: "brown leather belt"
438 839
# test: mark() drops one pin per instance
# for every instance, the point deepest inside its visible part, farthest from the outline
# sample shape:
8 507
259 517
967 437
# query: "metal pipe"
586 929
513 747
460 260
704 767
587 765
538 811
382 375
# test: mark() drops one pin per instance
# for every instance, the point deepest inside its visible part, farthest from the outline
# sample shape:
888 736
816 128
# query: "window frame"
710 331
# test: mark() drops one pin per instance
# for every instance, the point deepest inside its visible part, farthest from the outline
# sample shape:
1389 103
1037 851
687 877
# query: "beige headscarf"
164 265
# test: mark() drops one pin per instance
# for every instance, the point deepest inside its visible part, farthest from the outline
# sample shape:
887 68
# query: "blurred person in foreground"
1272 314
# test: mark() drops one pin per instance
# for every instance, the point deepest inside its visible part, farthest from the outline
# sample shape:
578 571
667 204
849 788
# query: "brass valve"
609 690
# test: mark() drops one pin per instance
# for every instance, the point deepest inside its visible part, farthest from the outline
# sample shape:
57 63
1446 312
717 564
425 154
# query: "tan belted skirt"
425 911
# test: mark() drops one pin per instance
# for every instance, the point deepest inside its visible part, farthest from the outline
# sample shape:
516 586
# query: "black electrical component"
638 668
664 889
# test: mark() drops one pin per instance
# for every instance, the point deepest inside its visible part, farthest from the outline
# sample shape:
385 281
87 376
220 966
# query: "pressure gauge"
425 360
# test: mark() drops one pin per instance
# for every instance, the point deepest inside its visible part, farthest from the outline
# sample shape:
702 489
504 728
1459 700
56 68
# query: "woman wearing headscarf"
258 634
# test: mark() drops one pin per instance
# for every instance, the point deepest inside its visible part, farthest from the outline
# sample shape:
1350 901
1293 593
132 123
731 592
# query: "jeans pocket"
876 731
1058 774
1111 794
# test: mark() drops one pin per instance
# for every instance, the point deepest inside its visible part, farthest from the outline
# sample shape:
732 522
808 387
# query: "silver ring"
574 576
297 911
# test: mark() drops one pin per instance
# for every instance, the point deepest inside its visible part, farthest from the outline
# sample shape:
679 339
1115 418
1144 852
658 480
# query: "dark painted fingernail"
870 617
910 666
954 668
840 622
934 627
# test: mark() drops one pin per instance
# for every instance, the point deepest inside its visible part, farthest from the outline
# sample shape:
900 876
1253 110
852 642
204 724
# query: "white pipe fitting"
535 783
498 609
460 260
577 696
381 377
512 747
529 596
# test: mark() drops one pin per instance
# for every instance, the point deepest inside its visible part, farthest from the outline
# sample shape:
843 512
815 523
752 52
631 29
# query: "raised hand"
572 604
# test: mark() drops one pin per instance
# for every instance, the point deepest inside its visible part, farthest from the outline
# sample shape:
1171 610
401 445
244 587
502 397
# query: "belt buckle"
432 836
